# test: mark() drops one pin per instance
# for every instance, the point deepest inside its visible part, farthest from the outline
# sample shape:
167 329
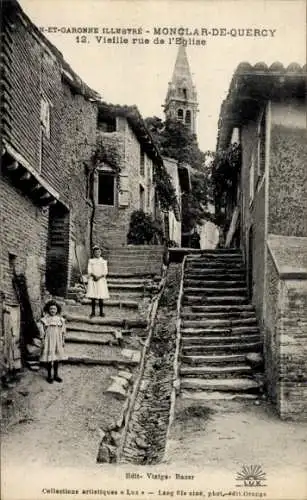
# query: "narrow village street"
228 434
56 434
153 265
58 425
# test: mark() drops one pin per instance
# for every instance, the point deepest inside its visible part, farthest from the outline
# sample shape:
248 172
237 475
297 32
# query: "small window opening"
106 189
188 117
180 114
12 260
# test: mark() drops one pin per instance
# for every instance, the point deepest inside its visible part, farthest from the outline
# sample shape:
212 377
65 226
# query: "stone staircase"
219 331
134 275
135 260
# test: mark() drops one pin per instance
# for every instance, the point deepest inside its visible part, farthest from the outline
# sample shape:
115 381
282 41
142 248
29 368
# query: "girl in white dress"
97 288
52 332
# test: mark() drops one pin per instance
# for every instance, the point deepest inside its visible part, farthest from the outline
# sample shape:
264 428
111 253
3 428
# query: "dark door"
57 250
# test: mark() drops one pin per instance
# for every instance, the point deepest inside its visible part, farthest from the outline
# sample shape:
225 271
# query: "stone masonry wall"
34 72
259 250
272 330
288 179
112 222
25 232
78 138
253 214
292 384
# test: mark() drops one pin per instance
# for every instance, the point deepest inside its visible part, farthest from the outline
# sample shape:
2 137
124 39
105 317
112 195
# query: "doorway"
57 250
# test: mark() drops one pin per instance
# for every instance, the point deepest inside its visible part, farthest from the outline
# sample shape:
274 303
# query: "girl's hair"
52 303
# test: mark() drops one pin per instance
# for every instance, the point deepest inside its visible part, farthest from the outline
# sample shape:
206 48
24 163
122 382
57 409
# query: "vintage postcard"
153 271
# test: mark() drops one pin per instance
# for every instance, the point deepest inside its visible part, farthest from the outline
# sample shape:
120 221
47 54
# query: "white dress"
97 289
52 330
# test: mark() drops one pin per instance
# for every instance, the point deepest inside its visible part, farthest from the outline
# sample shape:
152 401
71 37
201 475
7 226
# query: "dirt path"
57 425
229 434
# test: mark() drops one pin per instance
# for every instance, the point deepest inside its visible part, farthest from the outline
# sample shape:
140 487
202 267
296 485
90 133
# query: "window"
261 145
142 162
180 114
107 125
106 189
142 198
188 117
185 93
45 117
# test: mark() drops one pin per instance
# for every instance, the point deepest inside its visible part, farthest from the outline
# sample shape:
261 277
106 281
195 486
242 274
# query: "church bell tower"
181 99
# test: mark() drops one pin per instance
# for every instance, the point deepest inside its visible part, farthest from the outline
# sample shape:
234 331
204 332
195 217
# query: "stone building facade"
124 182
48 131
265 111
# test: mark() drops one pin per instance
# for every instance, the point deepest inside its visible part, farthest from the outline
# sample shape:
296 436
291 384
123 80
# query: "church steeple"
181 99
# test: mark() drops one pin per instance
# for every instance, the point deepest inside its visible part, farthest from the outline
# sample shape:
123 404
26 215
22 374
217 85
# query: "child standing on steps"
52 329
97 288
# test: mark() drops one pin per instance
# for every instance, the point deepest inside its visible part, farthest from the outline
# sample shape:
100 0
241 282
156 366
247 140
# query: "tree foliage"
175 140
226 166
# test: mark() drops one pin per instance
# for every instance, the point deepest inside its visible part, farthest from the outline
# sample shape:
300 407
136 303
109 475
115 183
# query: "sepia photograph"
153 249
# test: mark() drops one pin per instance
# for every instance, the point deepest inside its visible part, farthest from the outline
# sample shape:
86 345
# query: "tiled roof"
251 86
136 121
71 78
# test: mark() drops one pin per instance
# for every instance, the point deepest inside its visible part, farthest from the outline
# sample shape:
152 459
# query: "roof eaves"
68 74
251 85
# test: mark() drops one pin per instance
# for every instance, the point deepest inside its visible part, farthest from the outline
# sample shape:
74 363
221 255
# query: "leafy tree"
176 140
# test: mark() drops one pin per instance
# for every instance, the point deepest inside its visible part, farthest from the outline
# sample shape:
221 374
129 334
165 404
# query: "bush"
143 229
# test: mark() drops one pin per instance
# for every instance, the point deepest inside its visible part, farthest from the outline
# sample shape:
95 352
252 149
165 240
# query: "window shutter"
123 198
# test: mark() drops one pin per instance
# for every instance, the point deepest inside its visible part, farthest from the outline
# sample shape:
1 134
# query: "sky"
138 73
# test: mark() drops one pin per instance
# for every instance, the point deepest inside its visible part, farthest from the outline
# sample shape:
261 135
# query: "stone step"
217 359
215 256
200 395
77 326
201 328
109 322
189 313
220 336
97 355
215 300
126 271
110 312
214 276
203 283
82 337
232 385
216 371
195 346
207 320
215 251
205 291
131 275
123 280
223 308
218 265
138 287
124 304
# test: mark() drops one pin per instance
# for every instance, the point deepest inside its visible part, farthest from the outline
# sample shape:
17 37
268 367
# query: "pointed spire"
182 68
181 99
